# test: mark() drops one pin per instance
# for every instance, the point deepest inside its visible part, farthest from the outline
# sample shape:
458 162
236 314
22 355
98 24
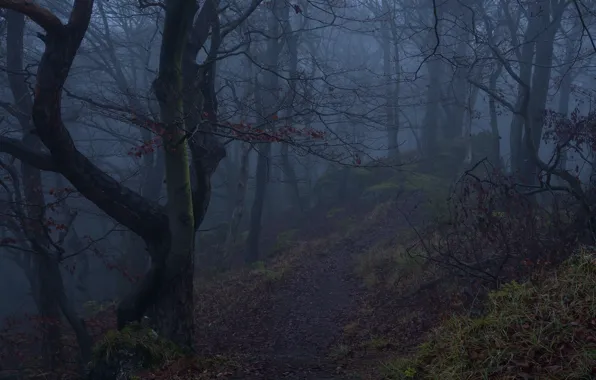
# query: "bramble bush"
494 232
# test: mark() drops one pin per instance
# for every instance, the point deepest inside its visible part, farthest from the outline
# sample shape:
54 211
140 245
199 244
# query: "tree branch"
20 151
38 14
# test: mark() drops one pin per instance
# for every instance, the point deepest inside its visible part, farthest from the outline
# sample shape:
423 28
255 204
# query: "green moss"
377 343
423 182
388 266
144 342
94 307
543 329
383 187
269 274
285 240
334 211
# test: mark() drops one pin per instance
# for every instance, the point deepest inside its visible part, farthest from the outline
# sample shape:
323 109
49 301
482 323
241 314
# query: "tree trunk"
458 93
525 75
289 174
33 195
175 303
540 85
268 95
387 84
240 197
566 82
393 134
495 154
134 259
256 213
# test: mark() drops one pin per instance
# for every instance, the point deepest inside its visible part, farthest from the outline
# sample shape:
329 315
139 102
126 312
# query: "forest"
297 189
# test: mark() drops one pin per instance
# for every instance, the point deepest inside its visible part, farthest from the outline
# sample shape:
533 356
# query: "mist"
280 189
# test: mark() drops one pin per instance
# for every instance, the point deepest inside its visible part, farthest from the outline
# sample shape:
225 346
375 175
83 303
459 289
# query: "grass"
270 274
387 267
544 329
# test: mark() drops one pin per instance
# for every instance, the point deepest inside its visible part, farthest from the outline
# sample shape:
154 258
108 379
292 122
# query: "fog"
147 147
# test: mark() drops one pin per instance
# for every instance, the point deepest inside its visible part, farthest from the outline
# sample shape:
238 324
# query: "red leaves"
8 241
146 147
50 224
247 132
240 131
58 192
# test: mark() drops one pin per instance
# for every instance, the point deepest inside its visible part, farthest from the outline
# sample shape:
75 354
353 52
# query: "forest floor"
287 320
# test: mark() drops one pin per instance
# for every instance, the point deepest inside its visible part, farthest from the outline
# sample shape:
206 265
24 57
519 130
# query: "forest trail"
297 322
289 329
308 314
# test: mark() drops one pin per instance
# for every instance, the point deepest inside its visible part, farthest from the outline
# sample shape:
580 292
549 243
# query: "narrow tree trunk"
33 194
134 259
240 197
268 95
458 93
540 85
566 82
290 178
394 132
388 86
495 154
254 233
525 74
289 173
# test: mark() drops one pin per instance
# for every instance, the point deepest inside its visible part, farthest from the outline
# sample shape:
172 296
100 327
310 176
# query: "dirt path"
288 333
308 315
287 330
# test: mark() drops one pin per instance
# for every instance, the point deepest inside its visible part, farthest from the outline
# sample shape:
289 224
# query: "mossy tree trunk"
174 306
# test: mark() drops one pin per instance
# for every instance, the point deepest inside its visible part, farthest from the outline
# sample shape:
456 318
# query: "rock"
122 354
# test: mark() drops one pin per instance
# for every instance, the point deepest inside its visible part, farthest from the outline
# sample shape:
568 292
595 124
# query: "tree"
150 221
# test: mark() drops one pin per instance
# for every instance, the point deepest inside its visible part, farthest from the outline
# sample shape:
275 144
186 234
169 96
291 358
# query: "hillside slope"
543 329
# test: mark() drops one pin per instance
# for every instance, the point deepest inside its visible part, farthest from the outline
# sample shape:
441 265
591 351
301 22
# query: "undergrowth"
543 329
154 350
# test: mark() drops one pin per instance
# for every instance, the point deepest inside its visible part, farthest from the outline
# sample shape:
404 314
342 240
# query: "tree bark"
268 96
288 168
525 74
127 207
495 154
540 85
175 302
35 202
240 197
393 134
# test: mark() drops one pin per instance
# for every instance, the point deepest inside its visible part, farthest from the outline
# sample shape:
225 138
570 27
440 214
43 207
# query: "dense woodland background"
149 148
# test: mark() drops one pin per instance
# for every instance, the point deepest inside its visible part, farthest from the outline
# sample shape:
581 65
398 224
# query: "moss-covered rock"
122 354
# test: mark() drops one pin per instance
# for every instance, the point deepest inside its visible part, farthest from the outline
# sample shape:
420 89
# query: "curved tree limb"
62 42
38 14
22 152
